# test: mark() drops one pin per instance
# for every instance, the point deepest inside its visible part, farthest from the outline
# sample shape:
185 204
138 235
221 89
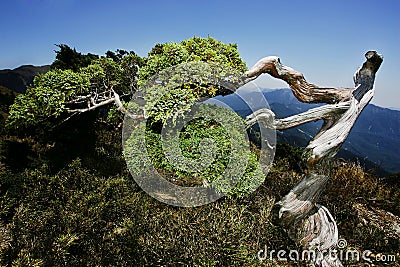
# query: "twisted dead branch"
299 208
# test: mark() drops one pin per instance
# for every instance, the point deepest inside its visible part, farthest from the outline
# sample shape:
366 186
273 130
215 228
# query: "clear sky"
325 40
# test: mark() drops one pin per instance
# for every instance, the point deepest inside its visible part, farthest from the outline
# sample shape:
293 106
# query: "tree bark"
303 90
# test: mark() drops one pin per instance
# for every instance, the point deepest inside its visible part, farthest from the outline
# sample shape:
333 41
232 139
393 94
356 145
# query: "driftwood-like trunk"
315 224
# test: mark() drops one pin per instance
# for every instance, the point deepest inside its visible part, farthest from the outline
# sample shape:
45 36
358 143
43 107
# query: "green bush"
228 152
206 68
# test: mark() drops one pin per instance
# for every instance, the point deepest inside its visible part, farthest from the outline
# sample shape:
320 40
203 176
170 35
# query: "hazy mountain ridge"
19 78
374 137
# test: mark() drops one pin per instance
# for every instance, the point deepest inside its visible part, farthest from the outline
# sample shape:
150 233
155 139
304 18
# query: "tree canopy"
68 58
208 49
77 83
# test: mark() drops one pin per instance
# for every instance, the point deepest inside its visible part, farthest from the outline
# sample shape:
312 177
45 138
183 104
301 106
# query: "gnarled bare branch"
303 90
114 97
339 118
300 206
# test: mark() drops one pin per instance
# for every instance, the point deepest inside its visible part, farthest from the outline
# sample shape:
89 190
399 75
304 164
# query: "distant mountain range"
18 79
374 139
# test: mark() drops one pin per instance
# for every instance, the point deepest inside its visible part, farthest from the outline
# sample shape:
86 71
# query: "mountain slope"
18 79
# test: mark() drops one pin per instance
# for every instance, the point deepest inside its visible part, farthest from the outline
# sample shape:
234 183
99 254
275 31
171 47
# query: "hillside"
19 78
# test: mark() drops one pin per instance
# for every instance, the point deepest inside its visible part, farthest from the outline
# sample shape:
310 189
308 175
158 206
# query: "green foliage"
57 92
7 97
208 49
48 97
71 217
68 58
206 151
293 156
201 67
173 91
79 218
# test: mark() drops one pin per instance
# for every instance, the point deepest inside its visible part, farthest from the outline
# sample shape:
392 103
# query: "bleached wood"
267 117
319 232
114 97
301 200
338 118
303 90
92 106
317 226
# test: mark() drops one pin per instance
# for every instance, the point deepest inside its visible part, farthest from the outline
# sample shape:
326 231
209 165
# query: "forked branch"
113 97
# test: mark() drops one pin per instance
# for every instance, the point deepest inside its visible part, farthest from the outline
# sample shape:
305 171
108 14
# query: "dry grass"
77 218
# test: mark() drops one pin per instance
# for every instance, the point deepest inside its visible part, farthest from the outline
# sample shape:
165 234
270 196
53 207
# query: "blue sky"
325 40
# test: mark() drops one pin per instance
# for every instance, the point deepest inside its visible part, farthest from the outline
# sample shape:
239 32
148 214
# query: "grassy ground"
78 218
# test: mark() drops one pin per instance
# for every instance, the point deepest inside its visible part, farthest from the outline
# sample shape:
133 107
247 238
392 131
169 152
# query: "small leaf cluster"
173 91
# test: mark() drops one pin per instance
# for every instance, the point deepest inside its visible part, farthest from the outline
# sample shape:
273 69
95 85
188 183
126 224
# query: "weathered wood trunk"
315 225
